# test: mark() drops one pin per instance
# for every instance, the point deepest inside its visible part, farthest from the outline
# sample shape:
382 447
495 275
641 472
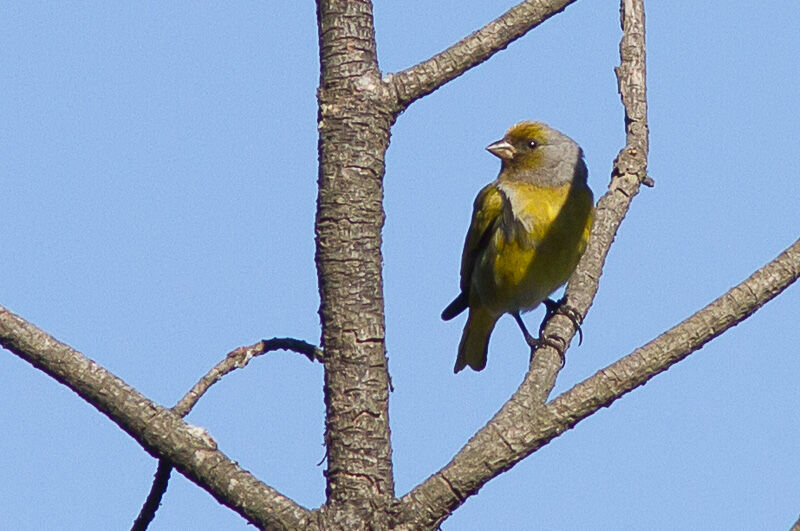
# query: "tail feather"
474 344
458 305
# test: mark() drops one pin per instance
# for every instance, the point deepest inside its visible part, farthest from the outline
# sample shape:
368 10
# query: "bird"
529 229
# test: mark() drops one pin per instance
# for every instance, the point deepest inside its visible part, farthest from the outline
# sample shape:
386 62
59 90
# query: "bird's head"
536 153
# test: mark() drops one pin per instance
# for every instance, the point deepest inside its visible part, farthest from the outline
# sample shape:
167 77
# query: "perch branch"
448 488
526 430
627 176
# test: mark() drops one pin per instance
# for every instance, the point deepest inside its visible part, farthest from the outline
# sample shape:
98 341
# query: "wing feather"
486 215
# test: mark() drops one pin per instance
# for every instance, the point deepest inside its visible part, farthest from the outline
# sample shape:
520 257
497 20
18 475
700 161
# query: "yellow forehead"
527 131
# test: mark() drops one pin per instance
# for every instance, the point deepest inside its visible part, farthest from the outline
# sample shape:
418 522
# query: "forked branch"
486 455
479 460
160 431
235 359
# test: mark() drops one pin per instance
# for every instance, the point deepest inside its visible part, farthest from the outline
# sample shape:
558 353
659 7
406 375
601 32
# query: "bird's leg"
541 341
529 339
553 307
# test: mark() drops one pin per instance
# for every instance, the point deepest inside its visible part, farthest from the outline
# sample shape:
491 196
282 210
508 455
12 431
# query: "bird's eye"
533 144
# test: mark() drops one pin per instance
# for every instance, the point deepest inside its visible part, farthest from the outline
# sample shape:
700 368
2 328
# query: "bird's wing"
486 215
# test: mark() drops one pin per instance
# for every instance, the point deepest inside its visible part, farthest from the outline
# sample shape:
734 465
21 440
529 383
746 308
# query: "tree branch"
629 172
160 431
423 78
236 359
355 115
627 176
526 430
153 500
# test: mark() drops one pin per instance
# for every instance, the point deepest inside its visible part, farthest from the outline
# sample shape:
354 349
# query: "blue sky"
158 173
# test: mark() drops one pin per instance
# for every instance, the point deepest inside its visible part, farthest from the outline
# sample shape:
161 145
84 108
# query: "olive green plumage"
529 229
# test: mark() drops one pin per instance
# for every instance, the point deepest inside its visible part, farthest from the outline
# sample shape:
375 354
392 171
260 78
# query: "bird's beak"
502 149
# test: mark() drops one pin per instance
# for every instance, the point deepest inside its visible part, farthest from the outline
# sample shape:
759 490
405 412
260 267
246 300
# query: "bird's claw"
541 341
560 306
546 341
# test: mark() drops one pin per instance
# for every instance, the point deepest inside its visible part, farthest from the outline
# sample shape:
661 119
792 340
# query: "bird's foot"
560 306
538 342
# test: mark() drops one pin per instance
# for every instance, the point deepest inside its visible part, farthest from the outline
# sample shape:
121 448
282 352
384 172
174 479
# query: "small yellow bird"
529 229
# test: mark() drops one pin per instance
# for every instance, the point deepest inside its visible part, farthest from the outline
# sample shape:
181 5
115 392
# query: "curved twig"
239 358
235 359
160 431
427 76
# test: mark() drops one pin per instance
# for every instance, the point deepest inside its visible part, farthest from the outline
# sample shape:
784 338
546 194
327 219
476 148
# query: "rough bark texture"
490 451
422 79
356 111
160 431
627 176
153 500
354 122
521 428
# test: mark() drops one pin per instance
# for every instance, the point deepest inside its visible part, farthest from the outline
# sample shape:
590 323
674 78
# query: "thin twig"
160 431
239 358
153 501
235 359
427 76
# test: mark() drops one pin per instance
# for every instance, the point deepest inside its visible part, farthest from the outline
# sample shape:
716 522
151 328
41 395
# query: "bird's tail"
458 305
474 344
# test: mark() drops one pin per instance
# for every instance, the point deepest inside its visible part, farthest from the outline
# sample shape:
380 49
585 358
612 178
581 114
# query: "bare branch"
236 359
160 431
629 172
525 431
423 78
674 345
239 358
513 421
153 501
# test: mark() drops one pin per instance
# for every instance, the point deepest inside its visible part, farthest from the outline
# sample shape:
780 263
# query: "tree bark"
357 108
160 431
354 122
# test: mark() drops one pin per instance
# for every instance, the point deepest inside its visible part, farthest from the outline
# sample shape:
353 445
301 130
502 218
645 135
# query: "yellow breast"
541 236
